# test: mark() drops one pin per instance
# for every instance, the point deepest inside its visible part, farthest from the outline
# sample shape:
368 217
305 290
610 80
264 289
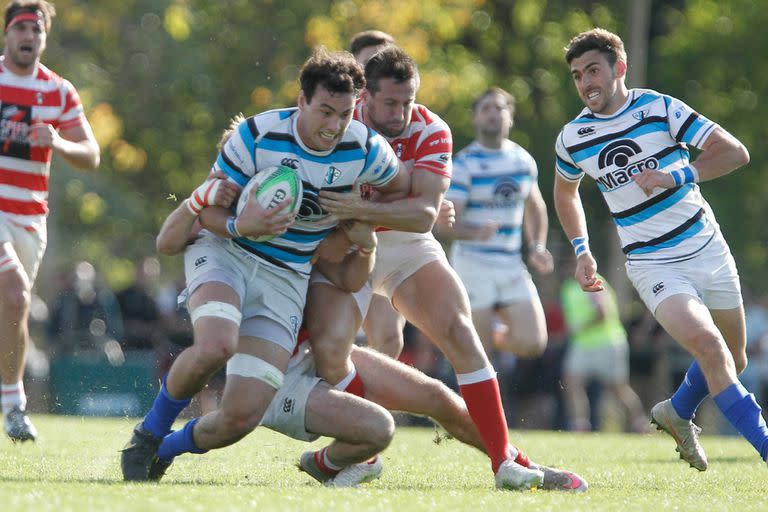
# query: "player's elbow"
742 155
165 247
427 219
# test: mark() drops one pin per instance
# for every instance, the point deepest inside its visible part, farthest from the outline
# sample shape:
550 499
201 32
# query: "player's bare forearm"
214 219
570 211
721 154
76 145
535 219
175 231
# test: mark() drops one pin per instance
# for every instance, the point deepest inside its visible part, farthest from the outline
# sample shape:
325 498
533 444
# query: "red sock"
483 401
522 459
321 460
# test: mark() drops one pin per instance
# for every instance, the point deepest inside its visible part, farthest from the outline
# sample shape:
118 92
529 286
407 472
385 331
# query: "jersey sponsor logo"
14 130
658 288
619 154
505 193
587 130
640 115
293 163
333 174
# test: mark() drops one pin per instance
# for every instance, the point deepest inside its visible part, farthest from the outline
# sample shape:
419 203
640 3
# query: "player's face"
492 117
597 82
388 111
24 42
323 121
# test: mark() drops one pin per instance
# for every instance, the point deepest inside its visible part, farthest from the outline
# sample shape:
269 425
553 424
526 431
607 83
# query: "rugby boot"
356 474
684 432
560 479
513 476
18 427
139 455
308 465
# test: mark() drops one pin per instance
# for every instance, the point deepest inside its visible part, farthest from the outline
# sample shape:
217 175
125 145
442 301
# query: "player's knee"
391 344
383 430
238 423
709 350
213 353
15 298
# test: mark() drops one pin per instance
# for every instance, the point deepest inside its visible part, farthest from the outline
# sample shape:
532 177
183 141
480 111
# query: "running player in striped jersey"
411 268
40 113
497 200
246 298
634 144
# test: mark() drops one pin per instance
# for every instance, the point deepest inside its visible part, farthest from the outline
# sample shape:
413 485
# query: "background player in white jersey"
411 267
634 144
41 113
497 201
245 297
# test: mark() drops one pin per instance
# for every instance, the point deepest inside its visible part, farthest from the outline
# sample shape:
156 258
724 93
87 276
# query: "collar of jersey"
630 98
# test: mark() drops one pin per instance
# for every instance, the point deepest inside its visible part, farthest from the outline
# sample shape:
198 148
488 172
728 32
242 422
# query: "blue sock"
692 391
165 409
741 409
181 441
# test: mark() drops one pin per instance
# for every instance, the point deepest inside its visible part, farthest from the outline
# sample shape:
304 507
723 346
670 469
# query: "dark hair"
45 9
607 43
391 62
338 72
496 91
367 38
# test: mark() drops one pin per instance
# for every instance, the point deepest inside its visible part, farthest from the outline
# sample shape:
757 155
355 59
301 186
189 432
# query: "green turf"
74 466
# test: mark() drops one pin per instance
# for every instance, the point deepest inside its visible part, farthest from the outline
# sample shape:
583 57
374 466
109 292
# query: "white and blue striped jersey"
492 184
650 131
271 139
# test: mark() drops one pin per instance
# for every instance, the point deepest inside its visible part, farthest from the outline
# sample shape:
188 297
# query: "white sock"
342 385
13 396
329 464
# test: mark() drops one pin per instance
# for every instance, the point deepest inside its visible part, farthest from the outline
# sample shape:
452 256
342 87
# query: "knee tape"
218 310
250 366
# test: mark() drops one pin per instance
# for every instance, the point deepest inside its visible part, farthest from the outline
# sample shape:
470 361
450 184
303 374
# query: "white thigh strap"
250 366
217 309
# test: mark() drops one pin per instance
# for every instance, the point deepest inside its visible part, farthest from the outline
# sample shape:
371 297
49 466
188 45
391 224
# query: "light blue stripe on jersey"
275 252
656 208
458 187
659 126
672 242
692 130
284 146
568 168
488 180
247 137
305 238
508 230
644 100
387 174
240 178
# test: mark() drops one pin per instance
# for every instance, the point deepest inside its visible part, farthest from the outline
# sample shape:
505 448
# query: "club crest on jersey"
619 153
332 175
399 150
505 192
640 114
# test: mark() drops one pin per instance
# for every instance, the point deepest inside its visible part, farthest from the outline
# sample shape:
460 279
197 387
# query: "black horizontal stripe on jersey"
645 204
287 137
675 259
265 257
615 135
666 236
313 190
290 250
687 124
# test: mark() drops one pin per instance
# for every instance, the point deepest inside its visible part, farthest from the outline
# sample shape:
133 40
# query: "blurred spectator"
85 316
141 319
598 350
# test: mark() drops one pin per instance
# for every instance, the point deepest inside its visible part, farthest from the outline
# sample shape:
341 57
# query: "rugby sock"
740 408
165 409
325 464
352 384
12 395
480 390
178 442
692 391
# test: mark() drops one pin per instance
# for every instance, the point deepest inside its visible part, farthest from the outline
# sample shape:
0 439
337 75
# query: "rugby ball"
275 184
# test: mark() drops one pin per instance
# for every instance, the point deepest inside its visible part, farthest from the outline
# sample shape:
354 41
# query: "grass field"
75 466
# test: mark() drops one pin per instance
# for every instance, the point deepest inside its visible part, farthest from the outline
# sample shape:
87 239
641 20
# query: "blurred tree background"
160 79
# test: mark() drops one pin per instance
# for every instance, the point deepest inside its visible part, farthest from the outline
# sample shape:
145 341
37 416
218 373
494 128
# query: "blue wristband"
580 245
231 228
684 175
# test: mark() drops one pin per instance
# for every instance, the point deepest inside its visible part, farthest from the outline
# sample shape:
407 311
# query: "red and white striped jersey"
427 143
42 96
